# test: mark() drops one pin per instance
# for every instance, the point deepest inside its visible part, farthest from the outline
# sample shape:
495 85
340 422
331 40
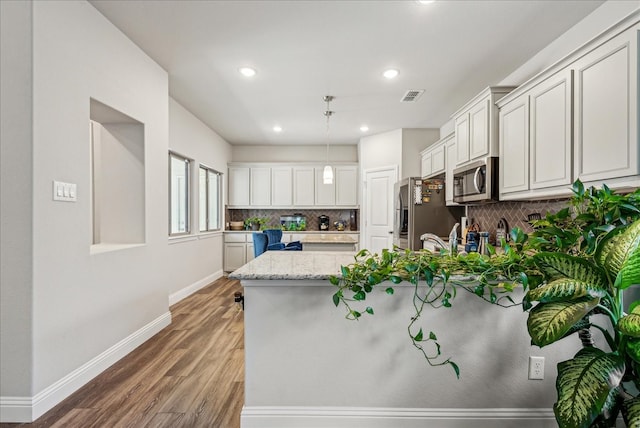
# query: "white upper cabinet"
550 131
281 186
476 126
346 178
462 139
260 190
514 146
425 164
576 120
325 193
304 186
479 130
606 107
450 145
266 185
238 185
433 160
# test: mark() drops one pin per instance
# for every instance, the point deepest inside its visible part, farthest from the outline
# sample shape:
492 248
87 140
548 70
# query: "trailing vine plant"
575 264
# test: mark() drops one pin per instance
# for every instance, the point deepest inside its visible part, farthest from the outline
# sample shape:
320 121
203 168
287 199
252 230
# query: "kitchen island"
307 366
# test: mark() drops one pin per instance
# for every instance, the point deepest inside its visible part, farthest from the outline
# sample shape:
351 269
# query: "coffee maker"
323 223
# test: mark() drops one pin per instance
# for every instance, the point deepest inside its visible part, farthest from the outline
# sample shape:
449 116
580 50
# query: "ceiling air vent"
412 95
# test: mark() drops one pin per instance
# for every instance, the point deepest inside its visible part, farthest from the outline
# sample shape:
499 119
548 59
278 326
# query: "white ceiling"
304 50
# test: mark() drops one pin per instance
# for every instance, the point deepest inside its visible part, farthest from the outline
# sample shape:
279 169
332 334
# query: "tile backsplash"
273 216
515 213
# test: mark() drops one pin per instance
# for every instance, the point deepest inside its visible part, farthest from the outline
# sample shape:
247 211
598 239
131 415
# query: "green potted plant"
255 223
574 266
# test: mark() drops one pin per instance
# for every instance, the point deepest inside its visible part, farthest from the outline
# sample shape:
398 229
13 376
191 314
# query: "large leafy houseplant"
574 269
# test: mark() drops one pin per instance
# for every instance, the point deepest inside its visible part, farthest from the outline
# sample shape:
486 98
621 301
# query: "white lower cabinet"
235 255
238 250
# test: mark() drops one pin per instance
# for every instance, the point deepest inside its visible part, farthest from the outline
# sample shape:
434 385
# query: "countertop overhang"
295 265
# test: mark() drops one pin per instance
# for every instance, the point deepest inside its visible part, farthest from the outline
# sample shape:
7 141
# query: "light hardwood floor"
191 374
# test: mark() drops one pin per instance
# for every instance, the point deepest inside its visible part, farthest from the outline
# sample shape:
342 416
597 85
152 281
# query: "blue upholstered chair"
260 242
274 241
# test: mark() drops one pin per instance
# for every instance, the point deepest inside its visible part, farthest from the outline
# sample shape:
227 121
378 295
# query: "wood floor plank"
190 374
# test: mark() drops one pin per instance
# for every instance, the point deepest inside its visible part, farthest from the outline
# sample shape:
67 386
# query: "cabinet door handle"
476 176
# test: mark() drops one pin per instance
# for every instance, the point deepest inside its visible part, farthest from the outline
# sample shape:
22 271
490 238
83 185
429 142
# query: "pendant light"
327 174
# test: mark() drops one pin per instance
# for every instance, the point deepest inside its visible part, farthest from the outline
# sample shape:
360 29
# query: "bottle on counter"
483 243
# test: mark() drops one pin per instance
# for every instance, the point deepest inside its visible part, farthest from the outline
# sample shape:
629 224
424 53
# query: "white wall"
315 153
367 373
380 150
400 147
16 206
200 259
415 140
83 304
596 22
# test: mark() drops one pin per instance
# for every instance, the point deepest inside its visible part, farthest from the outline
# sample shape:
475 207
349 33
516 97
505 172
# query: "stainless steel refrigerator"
420 207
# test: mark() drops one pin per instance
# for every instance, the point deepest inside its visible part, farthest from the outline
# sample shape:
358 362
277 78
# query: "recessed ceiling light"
364 128
390 73
424 1
247 71
277 128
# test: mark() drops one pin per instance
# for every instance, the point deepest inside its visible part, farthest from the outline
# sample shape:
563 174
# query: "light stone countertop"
294 265
304 232
328 238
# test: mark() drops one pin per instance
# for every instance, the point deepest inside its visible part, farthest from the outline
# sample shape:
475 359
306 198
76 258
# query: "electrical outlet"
536 367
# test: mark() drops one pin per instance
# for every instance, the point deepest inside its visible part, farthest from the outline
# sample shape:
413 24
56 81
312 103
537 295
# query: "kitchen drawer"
236 237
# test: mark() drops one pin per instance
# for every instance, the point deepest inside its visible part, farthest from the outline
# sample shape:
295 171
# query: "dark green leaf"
369 310
633 349
479 290
630 324
456 369
418 337
631 412
564 289
584 384
549 322
395 279
345 271
578 188
360 295
334 280
558 265
389 290
336 299
432 336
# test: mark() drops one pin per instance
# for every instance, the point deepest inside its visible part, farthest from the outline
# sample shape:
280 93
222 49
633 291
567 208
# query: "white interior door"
378 203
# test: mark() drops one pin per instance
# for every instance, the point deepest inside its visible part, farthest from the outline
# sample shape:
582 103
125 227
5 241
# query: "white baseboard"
190 289
375 417
28 409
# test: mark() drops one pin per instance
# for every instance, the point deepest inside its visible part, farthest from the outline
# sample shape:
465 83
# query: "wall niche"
117 178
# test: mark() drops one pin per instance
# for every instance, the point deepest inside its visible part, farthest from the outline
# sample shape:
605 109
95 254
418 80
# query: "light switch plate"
65 192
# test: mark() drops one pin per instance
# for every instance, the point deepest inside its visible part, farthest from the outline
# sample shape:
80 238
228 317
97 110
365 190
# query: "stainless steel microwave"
476 182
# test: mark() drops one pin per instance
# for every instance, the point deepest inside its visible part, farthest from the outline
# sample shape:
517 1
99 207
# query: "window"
210 183
179 188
